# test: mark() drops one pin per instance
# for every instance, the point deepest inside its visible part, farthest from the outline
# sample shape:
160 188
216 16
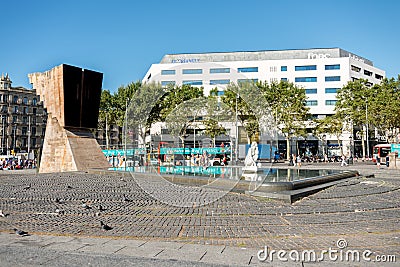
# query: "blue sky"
123 38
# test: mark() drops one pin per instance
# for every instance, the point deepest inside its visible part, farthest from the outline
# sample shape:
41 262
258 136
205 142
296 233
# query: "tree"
288 106
177 95
107 112
184 115
245 99
213 129
122 98
329 125
144 108
384 107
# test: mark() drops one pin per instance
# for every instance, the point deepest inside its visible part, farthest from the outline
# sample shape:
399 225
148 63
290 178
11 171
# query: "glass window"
272 69
283 79
34 111
193 82
25 110
25 101
379 77
192 71
311 103
332 67
14 120
220 70
248 69
168 72
221 93
15 109
283 68
332 78
331 90
330 102
220 81
25 120
305 79
367 72
24 130
33 142
15 99
165 83
355 68
247 80
33 130
5 98
34 101
308 67
311 91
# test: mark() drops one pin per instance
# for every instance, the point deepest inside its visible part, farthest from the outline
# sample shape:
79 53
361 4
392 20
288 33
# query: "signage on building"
185 60
356 58
318 56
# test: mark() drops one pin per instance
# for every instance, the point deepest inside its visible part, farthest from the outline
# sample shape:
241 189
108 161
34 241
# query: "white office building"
321 72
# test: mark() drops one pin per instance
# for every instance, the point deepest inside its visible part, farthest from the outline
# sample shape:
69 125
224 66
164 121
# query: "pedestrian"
344 163
378 162
298 159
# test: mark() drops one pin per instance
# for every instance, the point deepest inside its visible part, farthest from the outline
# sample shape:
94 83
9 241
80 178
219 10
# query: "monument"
250 170
71 96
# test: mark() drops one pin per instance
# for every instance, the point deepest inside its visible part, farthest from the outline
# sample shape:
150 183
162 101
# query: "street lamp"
237 129
366 125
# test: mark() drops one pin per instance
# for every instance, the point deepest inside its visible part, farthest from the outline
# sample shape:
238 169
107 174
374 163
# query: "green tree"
384 107
288 106
177 95
144 108
107 112
241 98
213 129
354 102
329 125
122 98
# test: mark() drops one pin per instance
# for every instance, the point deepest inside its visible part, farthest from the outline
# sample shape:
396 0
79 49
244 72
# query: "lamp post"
366 126
237 129
126 124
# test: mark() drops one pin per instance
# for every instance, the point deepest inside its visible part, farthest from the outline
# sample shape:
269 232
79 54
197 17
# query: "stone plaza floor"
361 213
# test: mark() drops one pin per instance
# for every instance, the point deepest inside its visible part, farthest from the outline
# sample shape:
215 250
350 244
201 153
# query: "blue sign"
191 150
121 152
395 148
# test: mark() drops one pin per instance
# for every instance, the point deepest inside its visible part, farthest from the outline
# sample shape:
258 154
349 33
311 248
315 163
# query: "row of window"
16 109
227 81
248 69
315 102
314 79
212 82
15 100
327 91
366 72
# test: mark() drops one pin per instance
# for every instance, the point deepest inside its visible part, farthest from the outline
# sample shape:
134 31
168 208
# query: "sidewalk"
361 211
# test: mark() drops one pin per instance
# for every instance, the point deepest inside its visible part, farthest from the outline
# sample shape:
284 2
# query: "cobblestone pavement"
364 211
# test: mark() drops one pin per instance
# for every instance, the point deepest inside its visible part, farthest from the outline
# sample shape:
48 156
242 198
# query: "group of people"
17 164
296 160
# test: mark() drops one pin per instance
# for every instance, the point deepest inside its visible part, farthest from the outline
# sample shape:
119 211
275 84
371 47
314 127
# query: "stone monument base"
251 173
70 150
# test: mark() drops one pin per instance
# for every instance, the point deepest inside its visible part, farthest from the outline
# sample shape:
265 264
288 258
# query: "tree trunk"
288 148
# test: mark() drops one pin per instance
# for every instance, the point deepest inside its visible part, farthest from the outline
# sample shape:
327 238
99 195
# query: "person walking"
378 162
298 160
344 163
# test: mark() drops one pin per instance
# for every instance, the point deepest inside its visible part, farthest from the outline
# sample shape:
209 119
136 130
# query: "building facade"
321 72
113 132
23 119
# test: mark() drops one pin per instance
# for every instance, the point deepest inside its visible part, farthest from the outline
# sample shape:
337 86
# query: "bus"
381 151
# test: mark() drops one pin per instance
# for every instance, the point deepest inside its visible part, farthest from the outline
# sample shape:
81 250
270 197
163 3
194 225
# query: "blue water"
270 174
